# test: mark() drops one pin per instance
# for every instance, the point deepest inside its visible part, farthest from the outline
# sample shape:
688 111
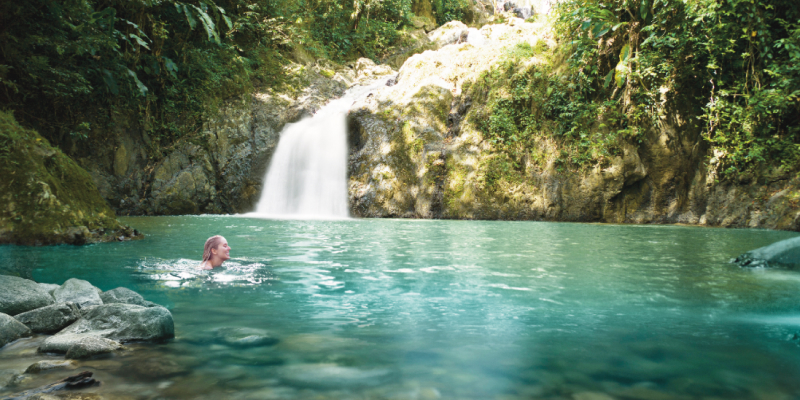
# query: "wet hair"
211 243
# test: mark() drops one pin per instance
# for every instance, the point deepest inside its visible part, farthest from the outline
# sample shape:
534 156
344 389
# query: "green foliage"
66 67
735 62
531 99
450 10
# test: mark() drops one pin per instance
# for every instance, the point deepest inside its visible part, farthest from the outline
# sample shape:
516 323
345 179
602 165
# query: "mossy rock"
46 198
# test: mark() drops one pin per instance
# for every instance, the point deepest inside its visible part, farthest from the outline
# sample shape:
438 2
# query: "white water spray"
307 177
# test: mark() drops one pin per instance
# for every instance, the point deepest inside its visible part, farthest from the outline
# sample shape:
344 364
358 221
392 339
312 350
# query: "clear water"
420 309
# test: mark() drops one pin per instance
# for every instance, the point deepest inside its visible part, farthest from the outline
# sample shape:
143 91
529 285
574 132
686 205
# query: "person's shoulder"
204 265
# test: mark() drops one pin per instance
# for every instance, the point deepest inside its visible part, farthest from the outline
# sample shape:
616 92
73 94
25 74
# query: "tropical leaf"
109 80
208 24
140 41
142 88
189 18
172 68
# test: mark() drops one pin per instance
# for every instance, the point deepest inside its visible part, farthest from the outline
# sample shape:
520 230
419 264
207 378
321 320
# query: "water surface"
420 309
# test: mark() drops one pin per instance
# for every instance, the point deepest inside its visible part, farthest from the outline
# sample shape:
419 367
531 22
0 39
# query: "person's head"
216 250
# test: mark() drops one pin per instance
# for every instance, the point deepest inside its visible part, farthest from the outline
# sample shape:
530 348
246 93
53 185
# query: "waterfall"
307 177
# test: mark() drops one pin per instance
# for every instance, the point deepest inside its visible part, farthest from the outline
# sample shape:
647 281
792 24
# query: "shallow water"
420 309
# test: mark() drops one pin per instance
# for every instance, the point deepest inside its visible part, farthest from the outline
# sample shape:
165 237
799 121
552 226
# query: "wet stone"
124 296
92 346
18 295
49 287
78 291
47 365
50 319
11 329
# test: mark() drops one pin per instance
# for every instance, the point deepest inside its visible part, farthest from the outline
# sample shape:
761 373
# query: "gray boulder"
49 287
124 296
50 319
92 346
78 291
784 253
120 322
18 295
11 329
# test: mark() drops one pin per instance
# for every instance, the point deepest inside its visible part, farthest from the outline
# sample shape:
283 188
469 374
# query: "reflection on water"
384 309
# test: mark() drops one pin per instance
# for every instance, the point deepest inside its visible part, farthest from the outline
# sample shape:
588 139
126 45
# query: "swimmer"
215 252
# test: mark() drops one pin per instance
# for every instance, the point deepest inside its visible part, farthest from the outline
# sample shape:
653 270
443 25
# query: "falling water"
307 177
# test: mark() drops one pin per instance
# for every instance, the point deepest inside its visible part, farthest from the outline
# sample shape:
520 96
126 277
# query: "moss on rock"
46 198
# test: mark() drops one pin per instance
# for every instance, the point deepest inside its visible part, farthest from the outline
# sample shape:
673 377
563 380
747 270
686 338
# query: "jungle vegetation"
67 67
733 66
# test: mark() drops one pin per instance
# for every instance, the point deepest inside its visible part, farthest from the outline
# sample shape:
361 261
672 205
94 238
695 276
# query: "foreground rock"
11 329
50 319
18 295
120 322
81 380
785 253
78 291
91 346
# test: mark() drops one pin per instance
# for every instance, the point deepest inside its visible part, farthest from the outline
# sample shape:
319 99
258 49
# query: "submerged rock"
332 376
78 291
11 329
18 295
245 337
121 322
47 365
784 253
50 319
124 296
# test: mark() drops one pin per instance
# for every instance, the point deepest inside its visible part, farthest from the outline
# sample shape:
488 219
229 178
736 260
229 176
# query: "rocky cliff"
221 168
419 149
45 197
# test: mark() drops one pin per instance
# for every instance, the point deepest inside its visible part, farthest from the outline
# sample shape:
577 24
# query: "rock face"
418 151
50 319
51 199
11 329
124 296
18 295
120 322
784 253
79 292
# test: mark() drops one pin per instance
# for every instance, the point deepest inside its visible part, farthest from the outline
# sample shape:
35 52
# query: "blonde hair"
211 243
